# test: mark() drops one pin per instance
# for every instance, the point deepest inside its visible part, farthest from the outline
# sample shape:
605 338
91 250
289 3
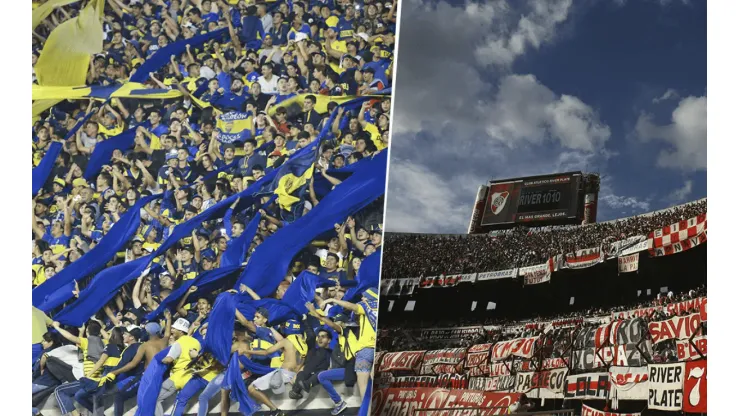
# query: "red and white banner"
629 263
680 231
695 387
540 273
678 327
665 386
692 305
590 411
439 281
406 361
688 352
477 358
450 356
468 278
583 258
680 246
501 274
521 347
628 383
500 369
546 364
587 386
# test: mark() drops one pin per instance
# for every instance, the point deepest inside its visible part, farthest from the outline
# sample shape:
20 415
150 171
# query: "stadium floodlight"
572 300
473 306
410 305
390 305
491 306
648 292
664 289
639 292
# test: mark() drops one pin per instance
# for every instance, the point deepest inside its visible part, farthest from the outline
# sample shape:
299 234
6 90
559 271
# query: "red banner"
678 327
590 411
688 352
695 387
521 347
692 305
402 402
476 361
488 403
447 357
407 360
406 402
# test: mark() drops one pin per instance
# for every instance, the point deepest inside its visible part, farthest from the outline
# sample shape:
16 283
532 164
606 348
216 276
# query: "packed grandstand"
208 185
607 318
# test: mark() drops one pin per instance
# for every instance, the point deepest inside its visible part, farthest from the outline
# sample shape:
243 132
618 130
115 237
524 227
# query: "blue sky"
510 88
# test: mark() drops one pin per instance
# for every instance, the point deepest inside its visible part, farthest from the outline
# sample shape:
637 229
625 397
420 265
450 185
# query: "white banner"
587 386
628 383
536 274
467 278
590 411
638 247
583 258
665 386
549 384
627 246
501 274
521 347
629 263
678 327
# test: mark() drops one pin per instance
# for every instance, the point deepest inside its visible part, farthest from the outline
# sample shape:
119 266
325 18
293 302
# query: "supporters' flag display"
208 186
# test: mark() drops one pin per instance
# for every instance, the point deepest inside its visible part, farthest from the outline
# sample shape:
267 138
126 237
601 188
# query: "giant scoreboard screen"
539 199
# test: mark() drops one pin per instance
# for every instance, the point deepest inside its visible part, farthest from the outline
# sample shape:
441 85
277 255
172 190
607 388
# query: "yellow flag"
41 12
288 184
66 56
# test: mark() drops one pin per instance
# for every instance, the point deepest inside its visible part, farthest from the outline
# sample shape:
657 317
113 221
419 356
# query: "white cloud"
680 194
503 46
426 201
670 93
623 203
686 135
524 110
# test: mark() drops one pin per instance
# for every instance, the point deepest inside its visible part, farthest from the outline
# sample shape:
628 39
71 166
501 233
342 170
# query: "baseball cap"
153 328
79 182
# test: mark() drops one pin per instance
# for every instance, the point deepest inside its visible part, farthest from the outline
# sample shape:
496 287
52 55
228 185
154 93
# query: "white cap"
299 36
364 36
181 324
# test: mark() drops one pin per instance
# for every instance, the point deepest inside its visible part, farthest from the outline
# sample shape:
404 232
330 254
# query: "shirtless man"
146 352
276 380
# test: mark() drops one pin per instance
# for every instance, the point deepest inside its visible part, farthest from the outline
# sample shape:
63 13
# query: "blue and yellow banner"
234 126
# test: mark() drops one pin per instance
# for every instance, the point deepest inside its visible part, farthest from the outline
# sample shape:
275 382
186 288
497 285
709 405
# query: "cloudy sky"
499 89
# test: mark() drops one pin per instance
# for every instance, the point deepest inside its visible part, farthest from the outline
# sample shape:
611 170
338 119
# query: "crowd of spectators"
273 57
414 255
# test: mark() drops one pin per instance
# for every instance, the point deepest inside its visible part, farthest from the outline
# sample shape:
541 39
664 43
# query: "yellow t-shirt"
374 135
180 374
367 333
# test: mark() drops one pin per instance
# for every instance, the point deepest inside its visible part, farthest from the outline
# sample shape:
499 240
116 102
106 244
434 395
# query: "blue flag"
40 173
94 260
151 384
368 277
104 150
271 259
162 56
236 251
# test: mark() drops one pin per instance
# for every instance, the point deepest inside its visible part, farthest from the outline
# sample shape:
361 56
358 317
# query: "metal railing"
485 411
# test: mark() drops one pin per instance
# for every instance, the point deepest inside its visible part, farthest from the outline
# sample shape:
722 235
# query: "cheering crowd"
407 336
517 247
286 68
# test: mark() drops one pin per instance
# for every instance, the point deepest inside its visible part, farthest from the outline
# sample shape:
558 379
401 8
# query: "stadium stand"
208 189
